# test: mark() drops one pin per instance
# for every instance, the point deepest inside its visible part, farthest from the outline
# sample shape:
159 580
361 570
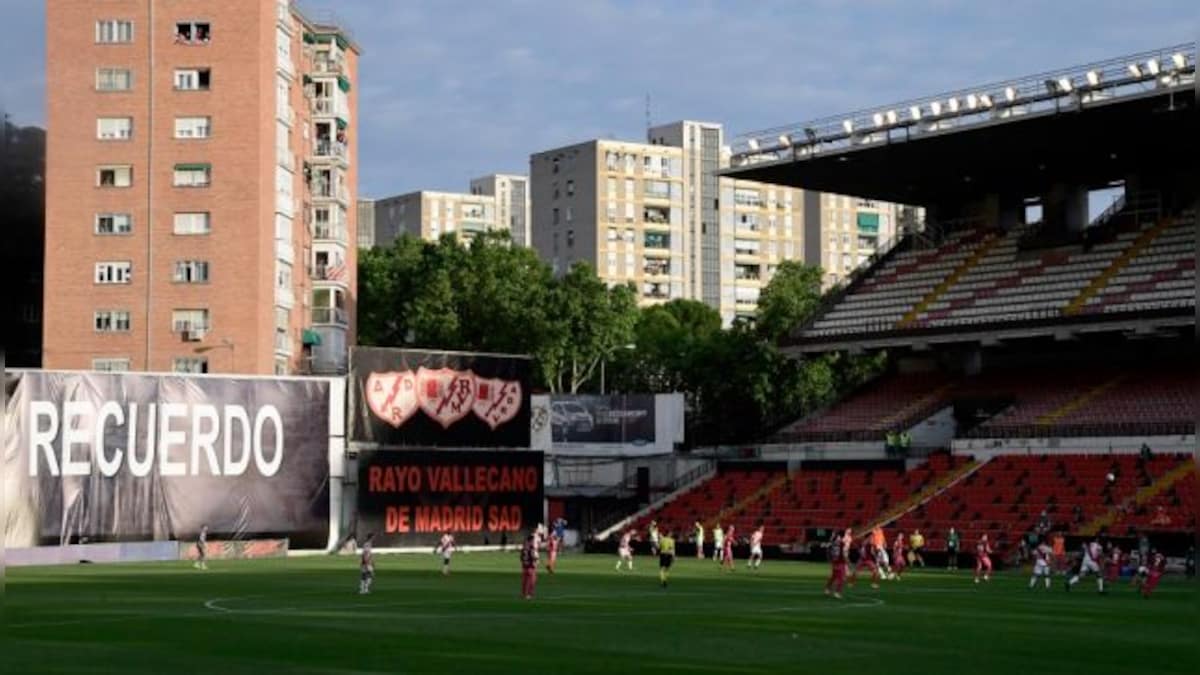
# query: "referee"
666 556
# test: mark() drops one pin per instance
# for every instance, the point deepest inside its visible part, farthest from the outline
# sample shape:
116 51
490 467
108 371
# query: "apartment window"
189 320
192 79
114 223
570 214
192 33
555 238
114 176
191 271
190 364
114 128
629 235
193 127
111 321
629 189
570 188
612 234
611 159
113 272
630 163
110 365
611 211
114 31
114 79
570 238
193 223
193 175
554 215
629 212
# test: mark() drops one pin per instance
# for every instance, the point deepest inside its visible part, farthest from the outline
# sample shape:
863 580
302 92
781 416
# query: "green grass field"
303 615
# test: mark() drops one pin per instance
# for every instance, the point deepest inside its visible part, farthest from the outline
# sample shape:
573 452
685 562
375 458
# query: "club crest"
496 401
444 394
392 397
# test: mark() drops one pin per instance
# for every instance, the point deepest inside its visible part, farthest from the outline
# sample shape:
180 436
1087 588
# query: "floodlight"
1135 70
985 100
1152 67
848 126
936 107
953 104
892 117
1179 60
915 112
1093 78
753 143
972 101
1064 83
1010 93
811 133
785 140
878 119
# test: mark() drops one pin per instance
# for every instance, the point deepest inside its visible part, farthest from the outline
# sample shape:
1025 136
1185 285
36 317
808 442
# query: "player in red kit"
866 560
1112 568
552 545
529 561
727 554
839 554
899 562
1154 573
983 559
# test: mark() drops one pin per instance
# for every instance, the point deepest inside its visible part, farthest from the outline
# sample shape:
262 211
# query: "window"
113 272
114 128
192 33
193 127
192 175
570 238
612 234
189 320
191 271
192 79
629 191
554 214
110 365
192 223
114 176
611 159
190 364
570 214
114 79
629 215
114 31
111 321
570 188
114 223
611 211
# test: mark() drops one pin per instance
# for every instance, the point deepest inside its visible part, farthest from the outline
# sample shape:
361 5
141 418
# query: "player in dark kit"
666 557
367 565
529 561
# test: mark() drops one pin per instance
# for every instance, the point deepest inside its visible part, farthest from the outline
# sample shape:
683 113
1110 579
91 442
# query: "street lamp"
226 343
603 361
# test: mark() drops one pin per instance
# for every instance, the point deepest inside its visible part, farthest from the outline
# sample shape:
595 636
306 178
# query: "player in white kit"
446 547
202 549
1093 553
756 554
1042 555
718 542
625 551
367 566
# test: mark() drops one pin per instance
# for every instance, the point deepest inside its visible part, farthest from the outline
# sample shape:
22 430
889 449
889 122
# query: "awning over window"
343 83
342 124
194 167
310 338
310 38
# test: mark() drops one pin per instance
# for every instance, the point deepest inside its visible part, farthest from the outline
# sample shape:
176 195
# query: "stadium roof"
1087 125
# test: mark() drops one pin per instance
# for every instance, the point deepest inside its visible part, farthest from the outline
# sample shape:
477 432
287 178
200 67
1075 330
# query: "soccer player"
1042 557
983 558
1058 545
529 561
1092 555
1153 572
654 537
202 549
881 559
699 540
866 560
625 551
917 547
952 550
446 547
552 545
898 559
839 554
1112 571
727 554
366 564
718 543
666 556
756 554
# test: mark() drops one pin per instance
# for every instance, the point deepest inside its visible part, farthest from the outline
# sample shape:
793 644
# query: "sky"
450 90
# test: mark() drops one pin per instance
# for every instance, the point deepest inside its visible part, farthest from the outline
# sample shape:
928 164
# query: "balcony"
326 231
656 267
330 316
335 273
324 189
332 150
327 63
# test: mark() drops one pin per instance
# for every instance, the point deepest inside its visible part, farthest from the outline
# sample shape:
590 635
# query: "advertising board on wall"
422 399
616 425
410 497
109 457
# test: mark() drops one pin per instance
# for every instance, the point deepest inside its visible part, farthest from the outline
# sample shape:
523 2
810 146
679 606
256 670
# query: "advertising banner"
110 457
618 425
409 498
423 399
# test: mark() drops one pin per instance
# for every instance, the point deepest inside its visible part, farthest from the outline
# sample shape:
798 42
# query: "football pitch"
303 615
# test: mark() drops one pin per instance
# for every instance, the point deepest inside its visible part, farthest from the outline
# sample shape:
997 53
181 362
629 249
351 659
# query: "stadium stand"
895 401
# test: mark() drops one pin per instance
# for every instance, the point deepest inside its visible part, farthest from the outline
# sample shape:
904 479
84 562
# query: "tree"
587 323
791 298
666 339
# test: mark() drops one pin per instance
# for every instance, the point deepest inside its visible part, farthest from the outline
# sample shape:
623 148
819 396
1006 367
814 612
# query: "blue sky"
454 89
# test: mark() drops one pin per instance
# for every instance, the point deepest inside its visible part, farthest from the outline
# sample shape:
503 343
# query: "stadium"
1041 390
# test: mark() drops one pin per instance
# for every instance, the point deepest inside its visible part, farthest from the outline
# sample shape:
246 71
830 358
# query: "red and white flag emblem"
444 394
392 396
496 401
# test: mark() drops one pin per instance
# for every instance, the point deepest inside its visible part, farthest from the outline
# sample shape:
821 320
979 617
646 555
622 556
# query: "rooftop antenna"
648 124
